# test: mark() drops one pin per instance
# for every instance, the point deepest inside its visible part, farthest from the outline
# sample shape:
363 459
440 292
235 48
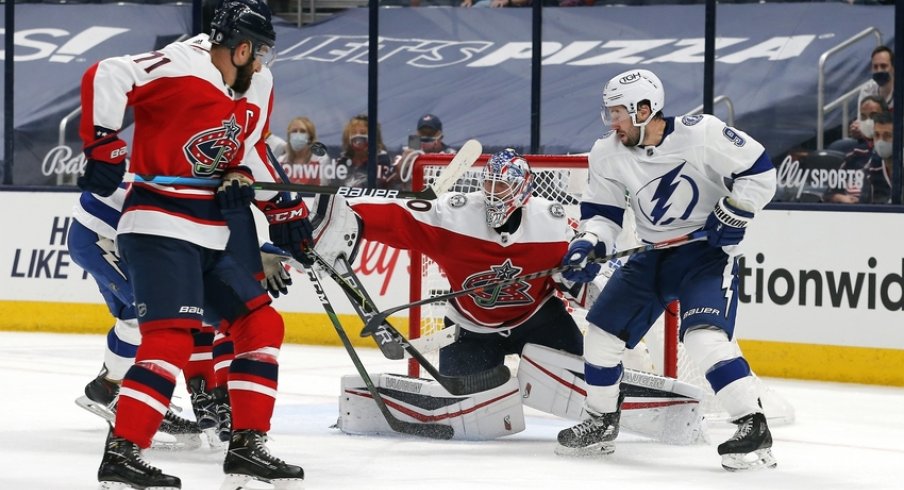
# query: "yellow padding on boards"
38 316
867 365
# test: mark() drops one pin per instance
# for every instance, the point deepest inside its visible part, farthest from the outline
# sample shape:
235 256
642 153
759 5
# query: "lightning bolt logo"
664 191
109 255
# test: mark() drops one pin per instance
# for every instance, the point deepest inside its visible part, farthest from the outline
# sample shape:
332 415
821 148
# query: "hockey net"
561 178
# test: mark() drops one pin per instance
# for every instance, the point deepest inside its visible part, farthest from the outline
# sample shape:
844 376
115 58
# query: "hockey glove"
727 223
578 252
235 192
277 278
104 165
290 228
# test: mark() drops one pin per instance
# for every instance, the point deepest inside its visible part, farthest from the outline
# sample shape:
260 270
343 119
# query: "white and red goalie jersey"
452 231
216 131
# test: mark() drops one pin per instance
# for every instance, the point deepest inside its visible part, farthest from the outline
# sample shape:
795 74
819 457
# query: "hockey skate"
177 433
749 447
249 459
594 436
100 397
122 467
224 413
205 408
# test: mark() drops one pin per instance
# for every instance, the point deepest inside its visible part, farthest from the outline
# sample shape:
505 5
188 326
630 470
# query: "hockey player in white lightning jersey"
680 175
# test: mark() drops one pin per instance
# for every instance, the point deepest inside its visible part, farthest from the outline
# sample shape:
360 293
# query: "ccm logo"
191 309
284 216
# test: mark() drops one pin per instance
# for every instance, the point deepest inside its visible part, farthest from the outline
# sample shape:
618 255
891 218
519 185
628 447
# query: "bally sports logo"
36 44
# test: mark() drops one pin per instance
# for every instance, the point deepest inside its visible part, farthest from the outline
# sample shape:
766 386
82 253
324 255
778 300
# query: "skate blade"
757 460
176 442
115 485
98 409
240 482
592 451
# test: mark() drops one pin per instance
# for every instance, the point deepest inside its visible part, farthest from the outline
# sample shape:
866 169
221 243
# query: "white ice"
846 436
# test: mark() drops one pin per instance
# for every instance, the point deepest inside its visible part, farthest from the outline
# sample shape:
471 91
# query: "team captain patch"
557 210
458 200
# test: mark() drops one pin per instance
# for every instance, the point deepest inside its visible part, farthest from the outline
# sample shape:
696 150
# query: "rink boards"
821 291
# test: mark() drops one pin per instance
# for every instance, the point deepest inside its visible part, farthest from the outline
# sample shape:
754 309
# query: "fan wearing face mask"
301 164
872 161
351 165
882 80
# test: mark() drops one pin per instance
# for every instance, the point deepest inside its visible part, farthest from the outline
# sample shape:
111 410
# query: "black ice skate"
594 436
100 397
182 433
205 408
249 459
749 447
224 413
122 467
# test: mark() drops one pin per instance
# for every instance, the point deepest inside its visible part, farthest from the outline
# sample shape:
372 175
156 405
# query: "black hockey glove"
290 228
235 193
104 165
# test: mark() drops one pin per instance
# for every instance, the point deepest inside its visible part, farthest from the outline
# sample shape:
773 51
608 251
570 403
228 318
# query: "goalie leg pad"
655 406
480 416
337 229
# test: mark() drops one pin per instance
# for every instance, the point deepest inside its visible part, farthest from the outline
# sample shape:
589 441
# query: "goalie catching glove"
337 229
726 225
104 164
290 228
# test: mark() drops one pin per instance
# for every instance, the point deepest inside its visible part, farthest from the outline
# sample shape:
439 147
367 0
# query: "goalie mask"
629 89
507 183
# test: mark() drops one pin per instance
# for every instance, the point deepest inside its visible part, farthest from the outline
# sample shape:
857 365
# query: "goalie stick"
455 385
463 160
492 285
430 430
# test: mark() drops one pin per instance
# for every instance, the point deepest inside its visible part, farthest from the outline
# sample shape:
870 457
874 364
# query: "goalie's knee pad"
479 416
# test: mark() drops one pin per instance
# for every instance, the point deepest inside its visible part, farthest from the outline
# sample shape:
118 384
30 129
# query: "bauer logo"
58 45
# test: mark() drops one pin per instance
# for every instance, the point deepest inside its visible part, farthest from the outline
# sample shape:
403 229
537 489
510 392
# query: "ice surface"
846 436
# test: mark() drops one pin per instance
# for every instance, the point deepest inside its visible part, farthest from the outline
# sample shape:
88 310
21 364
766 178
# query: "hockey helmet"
629 89
236 21
507 183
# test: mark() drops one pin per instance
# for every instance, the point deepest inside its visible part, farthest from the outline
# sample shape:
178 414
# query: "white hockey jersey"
674 186
452 231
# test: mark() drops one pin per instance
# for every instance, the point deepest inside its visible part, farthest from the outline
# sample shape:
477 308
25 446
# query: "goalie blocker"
548 380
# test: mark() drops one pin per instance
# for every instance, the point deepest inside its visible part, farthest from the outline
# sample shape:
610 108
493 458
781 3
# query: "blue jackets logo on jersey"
511 295
211 150
669 197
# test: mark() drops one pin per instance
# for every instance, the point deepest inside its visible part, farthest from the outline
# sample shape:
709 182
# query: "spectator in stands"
861 129
883 79
351 165
428 138
874 163
299 162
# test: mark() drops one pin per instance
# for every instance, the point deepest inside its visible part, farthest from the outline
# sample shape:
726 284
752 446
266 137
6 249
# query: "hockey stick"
433 431
455 385
462 161
490 286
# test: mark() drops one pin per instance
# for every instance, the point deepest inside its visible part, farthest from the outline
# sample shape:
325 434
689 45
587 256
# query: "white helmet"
629 89
507 183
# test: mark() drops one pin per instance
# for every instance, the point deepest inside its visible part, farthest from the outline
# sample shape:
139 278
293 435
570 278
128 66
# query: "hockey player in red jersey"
499 232
193 117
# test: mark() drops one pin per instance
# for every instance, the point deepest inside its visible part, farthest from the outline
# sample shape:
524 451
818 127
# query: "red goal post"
560 178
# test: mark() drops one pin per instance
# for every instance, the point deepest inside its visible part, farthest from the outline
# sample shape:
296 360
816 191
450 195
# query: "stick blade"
477 382
463 160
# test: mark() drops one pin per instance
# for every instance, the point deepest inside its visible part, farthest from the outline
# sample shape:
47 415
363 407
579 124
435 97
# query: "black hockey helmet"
235 21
